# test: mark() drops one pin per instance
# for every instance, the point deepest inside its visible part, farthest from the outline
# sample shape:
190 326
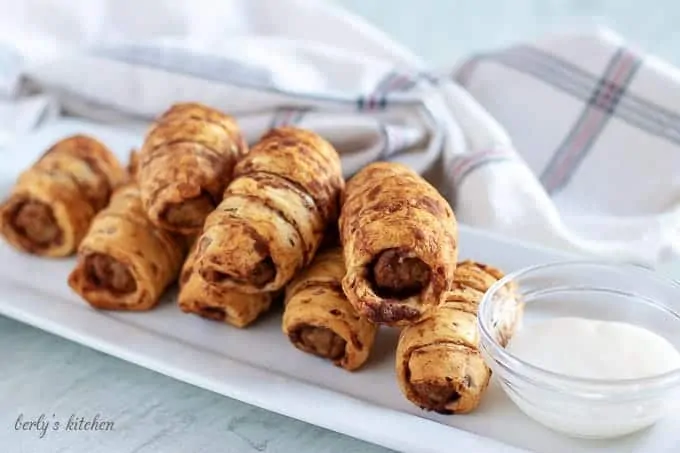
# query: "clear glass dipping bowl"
579 407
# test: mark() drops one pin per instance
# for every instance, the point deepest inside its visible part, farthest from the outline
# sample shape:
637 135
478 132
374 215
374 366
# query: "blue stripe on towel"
594 118
208 67
571 79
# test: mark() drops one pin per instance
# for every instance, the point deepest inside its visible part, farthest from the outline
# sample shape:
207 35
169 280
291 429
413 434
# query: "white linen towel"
572 142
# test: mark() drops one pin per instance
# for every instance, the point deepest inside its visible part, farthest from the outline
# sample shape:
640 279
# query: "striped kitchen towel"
597 124
572 142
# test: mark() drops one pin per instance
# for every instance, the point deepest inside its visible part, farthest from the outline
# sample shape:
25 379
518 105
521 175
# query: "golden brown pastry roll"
125 262
133 165
54 201
439 366
318 318
274 214
217 303
400 244
185 163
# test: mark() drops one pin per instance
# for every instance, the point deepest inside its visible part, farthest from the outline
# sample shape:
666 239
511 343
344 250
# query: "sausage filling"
396 275
320 341
435 396
106 273
190 213
214 313
36 223
259 275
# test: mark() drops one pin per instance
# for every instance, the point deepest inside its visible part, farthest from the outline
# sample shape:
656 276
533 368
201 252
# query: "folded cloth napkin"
571 142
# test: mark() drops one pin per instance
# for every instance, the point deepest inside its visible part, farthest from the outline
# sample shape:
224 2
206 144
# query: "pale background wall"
443 30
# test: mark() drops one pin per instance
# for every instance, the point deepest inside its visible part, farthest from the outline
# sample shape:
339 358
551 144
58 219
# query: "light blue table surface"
41 373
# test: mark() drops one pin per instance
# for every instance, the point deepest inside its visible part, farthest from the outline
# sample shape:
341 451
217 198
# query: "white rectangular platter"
259 366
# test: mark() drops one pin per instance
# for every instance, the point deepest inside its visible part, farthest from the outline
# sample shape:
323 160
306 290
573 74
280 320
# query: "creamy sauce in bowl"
599 351
586 348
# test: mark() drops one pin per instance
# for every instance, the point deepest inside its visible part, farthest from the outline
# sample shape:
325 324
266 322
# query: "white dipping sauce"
599 350
587 348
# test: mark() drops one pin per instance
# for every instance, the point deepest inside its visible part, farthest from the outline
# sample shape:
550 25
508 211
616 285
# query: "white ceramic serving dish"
259 366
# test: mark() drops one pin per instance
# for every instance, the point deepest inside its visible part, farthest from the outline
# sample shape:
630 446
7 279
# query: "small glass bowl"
579 407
